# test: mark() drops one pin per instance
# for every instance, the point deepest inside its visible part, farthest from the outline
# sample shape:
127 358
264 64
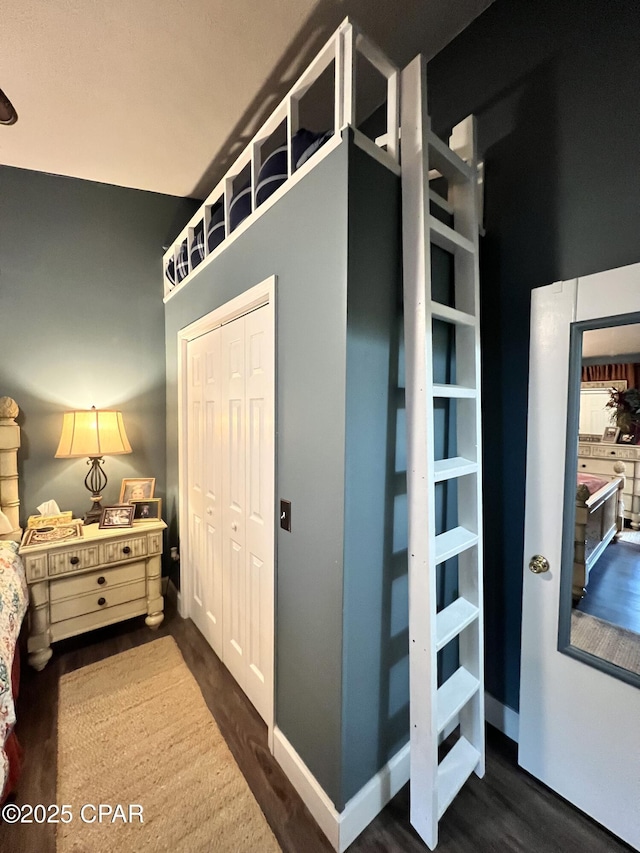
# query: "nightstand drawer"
35 567
95 601
124 549
96 581
72 560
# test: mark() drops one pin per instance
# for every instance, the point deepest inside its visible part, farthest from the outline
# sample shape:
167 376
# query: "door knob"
209 511
234 526
538 564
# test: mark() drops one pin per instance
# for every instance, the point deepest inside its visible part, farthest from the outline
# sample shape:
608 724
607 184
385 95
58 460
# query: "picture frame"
137 488
627 438
610 434
148 510
117 516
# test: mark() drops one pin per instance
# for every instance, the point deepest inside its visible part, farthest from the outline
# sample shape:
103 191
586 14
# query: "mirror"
600 586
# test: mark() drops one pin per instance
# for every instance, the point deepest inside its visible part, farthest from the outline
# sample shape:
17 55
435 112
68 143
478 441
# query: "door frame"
259 296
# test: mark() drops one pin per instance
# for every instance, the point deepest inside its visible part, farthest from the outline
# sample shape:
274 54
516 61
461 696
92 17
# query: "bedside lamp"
95 434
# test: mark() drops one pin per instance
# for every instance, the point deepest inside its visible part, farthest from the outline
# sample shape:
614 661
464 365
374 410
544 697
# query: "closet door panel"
194 484
212 487
259 530
233 514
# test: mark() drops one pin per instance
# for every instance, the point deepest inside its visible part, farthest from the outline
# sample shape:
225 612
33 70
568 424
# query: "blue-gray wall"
302 239
375 677
555 89
82 323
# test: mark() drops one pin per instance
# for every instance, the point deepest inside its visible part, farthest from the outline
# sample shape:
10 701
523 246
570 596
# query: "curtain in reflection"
606 372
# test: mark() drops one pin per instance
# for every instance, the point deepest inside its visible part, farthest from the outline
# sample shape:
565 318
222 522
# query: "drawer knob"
102 580
74 560
126 550
102 601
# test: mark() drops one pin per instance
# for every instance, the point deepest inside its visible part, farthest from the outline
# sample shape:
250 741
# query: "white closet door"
234 510
194 484
204 482
259 534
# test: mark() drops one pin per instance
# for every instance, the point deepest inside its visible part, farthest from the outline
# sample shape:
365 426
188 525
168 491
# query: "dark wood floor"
507 811
613 593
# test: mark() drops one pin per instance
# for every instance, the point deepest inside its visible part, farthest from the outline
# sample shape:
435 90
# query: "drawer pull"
74 560
102 601
102 580
126 550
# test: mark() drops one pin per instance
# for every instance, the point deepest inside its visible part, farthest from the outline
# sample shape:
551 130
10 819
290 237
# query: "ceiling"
163 94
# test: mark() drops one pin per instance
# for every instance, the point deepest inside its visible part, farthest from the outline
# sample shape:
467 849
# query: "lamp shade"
93 433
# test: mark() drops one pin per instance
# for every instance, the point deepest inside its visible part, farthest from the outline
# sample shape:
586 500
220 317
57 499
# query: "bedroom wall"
82 323
554 88
303 240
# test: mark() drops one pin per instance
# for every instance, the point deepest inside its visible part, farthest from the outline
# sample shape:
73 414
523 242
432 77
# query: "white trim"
502 717
373 797
342 828
322 809
262 294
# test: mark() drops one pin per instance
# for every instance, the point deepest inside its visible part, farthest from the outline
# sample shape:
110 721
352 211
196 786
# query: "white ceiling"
155 94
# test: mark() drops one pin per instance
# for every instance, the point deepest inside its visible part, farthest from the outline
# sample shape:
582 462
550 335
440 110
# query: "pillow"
305 143
197 246
272 174
240 206
170 272
215 233
182 265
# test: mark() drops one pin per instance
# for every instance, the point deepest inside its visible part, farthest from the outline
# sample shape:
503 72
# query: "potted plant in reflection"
625 407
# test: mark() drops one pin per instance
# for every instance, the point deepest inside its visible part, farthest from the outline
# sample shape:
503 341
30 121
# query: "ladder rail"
461 698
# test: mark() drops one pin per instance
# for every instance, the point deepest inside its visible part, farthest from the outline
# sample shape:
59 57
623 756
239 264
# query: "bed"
599 518
13 596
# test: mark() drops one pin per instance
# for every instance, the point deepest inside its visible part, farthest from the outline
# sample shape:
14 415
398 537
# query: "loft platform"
344 85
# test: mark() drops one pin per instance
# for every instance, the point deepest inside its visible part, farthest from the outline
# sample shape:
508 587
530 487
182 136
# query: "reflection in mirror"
600 594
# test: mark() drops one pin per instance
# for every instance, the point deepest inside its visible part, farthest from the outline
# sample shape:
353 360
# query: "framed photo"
627 438
138 489
610 434
117 516
150 510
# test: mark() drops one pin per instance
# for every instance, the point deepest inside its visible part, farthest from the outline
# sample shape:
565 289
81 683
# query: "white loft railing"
184 259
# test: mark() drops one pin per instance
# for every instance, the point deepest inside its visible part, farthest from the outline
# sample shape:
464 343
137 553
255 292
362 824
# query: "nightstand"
106 576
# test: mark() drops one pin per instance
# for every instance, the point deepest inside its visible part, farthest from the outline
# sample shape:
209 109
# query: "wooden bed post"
9 444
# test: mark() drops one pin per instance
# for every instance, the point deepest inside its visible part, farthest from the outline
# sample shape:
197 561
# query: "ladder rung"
454 391
454 771
447 238
456 466
453 542
446 161
441 202
454 695
451 315
454 619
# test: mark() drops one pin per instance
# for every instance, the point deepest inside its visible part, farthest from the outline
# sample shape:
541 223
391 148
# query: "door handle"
209 511
234 526
538 564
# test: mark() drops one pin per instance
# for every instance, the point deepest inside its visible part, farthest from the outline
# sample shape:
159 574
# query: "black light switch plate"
285 515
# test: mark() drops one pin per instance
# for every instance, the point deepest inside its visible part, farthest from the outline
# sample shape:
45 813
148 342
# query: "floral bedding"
13 606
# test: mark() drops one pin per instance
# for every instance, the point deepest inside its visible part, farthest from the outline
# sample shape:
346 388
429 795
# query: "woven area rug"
606 641
134 729
632 536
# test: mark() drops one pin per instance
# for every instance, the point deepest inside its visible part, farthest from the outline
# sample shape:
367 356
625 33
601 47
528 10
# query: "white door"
205 485
579 726
247 473
230 464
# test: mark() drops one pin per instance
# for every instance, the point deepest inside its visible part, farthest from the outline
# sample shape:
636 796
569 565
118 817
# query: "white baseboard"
305 783
342 828
502 717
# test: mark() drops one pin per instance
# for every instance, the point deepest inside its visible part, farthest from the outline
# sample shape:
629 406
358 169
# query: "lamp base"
93 515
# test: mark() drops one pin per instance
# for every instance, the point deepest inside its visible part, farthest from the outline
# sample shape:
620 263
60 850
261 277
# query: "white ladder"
435 711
